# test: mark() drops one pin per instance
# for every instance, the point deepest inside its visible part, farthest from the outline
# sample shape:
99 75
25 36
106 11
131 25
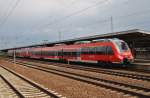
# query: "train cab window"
122 46
110 50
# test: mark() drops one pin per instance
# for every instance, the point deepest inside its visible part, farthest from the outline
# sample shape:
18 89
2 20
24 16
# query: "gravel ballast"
120 79
65 86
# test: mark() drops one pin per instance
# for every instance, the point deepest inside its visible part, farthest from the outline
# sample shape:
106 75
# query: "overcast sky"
26 22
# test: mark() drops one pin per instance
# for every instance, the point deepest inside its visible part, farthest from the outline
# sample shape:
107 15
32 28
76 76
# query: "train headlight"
120 57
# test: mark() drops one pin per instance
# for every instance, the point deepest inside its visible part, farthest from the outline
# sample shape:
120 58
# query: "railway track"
7 89
103 71
17 86
132 90
99 70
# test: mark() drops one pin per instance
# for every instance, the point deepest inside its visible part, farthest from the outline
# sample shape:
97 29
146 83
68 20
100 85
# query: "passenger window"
85 50
110 50
91 50
101 50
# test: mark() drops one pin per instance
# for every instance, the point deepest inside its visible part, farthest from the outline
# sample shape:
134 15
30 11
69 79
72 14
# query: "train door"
79 54
63 55
109 53
60 54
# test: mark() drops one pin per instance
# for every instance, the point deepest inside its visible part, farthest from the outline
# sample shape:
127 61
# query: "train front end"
124 54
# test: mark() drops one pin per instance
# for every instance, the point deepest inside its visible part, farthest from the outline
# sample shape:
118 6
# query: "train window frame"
110 50
120 47
101 50
85 50
92 50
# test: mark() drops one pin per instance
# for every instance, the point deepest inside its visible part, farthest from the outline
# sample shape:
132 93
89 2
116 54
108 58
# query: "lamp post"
111 24
15 50
14 56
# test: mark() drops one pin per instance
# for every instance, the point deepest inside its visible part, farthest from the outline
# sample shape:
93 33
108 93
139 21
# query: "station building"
138 41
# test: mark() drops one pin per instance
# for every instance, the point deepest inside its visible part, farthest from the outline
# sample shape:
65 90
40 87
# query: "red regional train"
101 51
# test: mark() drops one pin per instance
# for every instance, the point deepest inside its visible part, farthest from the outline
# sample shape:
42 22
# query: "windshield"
122 46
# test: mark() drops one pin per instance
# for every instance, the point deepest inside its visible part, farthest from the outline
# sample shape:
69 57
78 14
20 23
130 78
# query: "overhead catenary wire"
137 23
108 20
7 9
70 5
75 13
112 20
9 13
133 14
102 21
138 13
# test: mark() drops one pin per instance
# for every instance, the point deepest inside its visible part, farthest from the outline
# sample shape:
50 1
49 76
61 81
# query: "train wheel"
125 62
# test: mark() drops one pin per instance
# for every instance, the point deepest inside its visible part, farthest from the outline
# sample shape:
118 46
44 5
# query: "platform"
141 64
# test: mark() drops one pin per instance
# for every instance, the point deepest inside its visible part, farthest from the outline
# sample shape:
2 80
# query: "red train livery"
104 50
